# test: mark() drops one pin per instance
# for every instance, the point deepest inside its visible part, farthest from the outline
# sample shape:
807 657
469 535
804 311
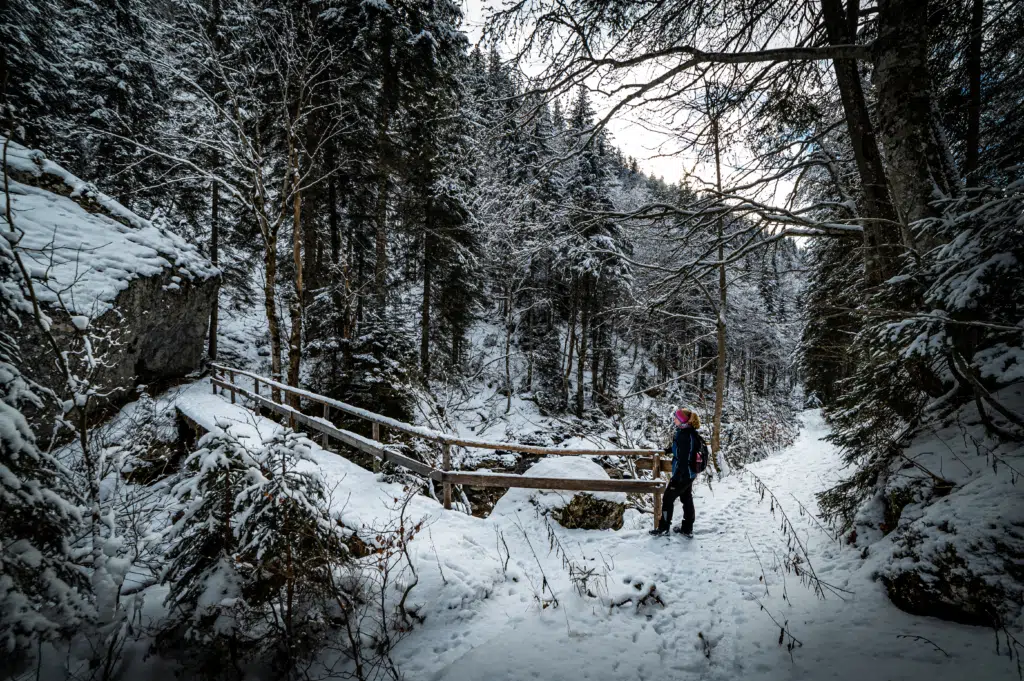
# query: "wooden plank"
531 482
648 464
350 439
656 464
411 464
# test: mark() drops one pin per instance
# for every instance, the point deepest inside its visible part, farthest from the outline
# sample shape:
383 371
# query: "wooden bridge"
228 380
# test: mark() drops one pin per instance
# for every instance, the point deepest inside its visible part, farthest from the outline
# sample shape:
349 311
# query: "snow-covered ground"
485 618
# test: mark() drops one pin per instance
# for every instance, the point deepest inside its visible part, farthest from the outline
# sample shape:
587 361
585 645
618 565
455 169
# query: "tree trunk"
508 349
380 272
581 367
332 204
214 258
974 96
384 110
720 376
904 107
570 344
270 303
882 239
296 307
425 314
595 353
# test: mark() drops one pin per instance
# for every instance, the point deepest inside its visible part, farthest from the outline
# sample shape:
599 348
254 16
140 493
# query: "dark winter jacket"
684 444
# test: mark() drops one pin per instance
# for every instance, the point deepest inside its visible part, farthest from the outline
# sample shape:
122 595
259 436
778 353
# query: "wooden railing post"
213 377
327 417
376 437
446 465
231 374
657 495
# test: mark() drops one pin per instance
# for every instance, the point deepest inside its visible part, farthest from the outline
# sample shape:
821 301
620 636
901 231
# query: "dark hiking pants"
678 489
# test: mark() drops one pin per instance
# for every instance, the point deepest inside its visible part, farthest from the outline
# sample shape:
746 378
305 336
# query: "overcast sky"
631 138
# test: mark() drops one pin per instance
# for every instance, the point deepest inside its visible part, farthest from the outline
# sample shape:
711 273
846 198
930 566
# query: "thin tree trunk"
380 272
720 376
214 258
384 110
571 343
581 367
508 349
882 239
974 96
425 314
270 303
332 204
296 307
595 354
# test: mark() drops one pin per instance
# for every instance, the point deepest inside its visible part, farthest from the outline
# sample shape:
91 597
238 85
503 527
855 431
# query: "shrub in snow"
205 598
290 551
254 556
942 346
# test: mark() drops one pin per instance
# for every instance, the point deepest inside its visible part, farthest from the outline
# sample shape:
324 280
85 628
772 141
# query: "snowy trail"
483 621
710 585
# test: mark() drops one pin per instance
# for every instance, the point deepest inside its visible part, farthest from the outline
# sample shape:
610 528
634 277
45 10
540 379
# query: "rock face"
127 301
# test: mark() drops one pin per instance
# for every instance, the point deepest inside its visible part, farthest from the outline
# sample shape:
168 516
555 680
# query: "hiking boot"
658 531
686 533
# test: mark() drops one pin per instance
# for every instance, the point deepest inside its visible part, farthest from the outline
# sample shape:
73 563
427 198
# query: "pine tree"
116 97
33 71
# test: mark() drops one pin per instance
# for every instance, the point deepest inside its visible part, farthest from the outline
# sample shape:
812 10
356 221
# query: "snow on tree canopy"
90 257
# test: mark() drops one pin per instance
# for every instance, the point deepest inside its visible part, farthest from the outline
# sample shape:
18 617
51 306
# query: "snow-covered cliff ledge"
144 294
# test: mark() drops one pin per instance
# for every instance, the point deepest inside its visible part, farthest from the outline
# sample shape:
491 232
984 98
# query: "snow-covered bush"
204 600
254 556
43 594
941 345
289 551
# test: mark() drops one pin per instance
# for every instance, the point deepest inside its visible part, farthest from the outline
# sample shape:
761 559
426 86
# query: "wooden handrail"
428 433
475 479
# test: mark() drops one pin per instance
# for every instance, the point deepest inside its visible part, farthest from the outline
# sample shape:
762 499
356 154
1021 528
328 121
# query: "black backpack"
699 456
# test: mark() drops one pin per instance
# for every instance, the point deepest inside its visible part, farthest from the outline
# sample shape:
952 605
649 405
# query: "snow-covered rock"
577 510
138 294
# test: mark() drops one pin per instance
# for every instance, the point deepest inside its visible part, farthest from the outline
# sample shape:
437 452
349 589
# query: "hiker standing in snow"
689 457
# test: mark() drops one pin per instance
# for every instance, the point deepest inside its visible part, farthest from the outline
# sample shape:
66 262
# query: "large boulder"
130 302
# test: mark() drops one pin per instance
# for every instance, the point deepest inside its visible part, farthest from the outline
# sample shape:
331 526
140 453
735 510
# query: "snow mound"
80 246
544 500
